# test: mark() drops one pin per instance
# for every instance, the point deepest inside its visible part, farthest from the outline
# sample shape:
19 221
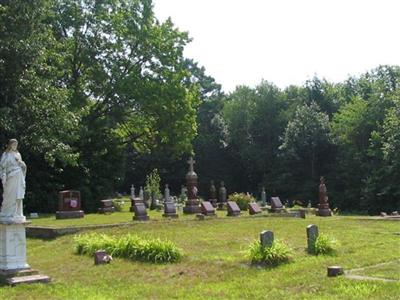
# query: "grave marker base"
70 214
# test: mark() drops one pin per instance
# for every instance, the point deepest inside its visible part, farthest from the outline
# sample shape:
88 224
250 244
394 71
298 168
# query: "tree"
33 105
306 147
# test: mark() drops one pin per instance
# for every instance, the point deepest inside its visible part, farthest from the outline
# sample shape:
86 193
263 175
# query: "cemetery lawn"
214 265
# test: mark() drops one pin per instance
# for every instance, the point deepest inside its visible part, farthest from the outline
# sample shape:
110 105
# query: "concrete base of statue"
14 268
13 244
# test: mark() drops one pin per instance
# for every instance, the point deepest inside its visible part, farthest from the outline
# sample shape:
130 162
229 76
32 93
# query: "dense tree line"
286 139
99 93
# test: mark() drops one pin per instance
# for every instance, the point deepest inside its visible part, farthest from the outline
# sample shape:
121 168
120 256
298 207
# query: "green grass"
275 255
128 246
386 271
214 265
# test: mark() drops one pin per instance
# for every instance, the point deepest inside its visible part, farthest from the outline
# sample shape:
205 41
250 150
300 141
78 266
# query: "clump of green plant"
152 187
118 204
323 244
128 246
242 200
275 255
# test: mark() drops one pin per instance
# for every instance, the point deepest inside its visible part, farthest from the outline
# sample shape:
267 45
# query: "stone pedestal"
13 246
14 268
192 206
324 210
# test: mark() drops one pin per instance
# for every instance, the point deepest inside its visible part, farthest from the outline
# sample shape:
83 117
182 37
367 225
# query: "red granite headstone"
69 205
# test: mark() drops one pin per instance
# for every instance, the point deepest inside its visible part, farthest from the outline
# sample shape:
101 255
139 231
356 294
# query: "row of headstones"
207 210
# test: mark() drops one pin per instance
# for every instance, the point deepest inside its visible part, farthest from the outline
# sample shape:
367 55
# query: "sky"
242 42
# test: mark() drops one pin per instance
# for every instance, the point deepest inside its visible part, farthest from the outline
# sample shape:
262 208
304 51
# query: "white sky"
286 41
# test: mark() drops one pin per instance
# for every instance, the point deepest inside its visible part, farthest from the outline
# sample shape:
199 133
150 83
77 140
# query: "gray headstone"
266 238
312 234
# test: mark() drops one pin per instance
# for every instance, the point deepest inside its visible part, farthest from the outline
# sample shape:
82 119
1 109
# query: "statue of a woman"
323 193
12 172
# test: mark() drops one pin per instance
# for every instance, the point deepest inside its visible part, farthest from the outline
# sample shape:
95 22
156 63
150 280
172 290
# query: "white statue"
12 172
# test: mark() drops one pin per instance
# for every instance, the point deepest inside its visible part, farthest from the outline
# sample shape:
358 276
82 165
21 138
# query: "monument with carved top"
192 205
323 205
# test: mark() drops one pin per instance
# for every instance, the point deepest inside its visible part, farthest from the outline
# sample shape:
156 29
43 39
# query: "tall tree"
306 149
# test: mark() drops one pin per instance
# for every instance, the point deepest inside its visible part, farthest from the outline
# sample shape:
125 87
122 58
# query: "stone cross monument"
192 203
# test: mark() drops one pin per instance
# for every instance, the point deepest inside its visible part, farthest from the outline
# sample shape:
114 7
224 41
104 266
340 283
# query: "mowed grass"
386 271
215 266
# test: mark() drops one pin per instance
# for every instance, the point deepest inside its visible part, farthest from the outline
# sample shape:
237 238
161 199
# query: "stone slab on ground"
45 232
28 279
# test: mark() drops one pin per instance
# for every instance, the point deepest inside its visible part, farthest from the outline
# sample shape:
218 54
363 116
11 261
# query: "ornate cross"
191 162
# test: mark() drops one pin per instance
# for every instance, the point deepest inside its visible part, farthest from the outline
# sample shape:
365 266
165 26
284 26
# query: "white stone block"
13 246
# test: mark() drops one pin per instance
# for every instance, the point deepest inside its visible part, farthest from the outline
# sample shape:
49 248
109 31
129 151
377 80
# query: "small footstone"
334 271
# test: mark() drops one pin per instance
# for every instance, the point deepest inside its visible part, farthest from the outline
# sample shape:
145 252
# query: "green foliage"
275 255
153 181
84 82
323 244
128 246
242 200
119 204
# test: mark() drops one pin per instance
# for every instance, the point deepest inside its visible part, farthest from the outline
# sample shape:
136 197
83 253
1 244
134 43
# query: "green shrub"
323 244
275 255
118 204
152 185
128 246
242 200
